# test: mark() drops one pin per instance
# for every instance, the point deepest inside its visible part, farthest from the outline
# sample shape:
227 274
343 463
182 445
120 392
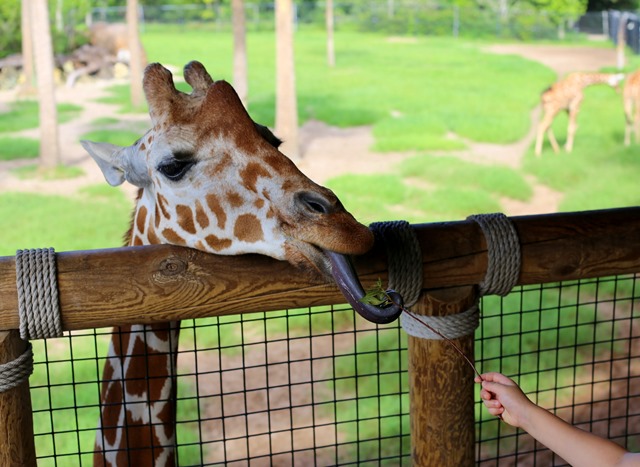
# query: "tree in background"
27 49
331 56
286 99
240 74
135 54
43 53
604 5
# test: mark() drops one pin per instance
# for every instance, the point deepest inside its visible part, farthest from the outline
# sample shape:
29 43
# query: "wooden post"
16 423
441 387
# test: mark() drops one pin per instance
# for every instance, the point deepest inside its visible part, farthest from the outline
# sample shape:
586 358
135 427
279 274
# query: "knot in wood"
173 266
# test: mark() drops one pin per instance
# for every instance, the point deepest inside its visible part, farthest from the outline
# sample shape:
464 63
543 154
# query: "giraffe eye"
175 169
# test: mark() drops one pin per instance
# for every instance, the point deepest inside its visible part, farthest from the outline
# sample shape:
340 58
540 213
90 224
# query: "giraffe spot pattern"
185 218
234 199
141 219
217 243
201 216
172 237
250 175
162 202
248 228
216 208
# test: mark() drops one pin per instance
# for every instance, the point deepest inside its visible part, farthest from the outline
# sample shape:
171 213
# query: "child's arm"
579 448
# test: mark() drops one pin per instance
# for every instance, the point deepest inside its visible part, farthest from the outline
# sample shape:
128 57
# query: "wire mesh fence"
322 386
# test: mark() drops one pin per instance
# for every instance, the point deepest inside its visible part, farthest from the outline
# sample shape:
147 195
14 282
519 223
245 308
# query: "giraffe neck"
138 397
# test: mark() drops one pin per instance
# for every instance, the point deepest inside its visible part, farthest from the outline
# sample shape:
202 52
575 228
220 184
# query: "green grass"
438 78
118 137
91 220
12 148
60 172
23 115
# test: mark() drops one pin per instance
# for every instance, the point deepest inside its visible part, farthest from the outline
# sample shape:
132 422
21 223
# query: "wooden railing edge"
162 282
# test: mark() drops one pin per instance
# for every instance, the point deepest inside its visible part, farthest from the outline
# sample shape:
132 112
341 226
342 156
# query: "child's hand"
504 398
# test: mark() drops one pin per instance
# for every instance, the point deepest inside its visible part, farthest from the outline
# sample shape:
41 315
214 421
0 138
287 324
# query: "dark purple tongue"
348 283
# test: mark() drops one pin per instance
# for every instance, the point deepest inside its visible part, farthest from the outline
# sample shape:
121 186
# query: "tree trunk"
135 54
622 40
286 101
331 56
43 51
27 49
240 78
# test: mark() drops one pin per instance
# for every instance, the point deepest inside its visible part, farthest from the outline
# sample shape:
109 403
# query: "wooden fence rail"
167 283
161 282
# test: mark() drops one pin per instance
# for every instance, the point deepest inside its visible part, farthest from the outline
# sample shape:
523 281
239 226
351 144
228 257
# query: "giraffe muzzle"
347 281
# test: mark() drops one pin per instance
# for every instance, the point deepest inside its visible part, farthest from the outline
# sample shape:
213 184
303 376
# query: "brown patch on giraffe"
217 243
185 218
137 241
259 203
201 216
112 401
162 202
248 228
250 175
143 147
216 208
152 236
146 366
215 170
141 219
171 236
234 199
157 216
143 439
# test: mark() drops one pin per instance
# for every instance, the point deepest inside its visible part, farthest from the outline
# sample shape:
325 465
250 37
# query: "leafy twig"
379 297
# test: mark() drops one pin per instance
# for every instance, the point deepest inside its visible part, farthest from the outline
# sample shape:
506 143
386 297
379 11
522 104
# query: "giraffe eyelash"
175 169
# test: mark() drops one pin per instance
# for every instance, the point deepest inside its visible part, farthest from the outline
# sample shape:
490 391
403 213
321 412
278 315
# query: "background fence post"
441 387
17 446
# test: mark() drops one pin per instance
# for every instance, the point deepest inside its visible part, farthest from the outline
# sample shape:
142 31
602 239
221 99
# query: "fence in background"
314 383
388 16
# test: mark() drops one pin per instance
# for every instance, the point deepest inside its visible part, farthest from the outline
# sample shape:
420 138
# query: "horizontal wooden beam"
163 282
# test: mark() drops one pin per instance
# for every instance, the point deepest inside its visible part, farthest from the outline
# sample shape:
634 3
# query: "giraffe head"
214 180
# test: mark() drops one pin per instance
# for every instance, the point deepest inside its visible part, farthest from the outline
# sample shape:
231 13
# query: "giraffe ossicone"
212 179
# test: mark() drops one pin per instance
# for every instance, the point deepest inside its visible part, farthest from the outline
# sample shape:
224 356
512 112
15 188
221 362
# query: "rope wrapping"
404 257
450 326
38 305
16 372
503 250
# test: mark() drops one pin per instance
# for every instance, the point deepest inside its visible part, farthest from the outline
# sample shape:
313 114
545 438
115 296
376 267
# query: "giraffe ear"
118 164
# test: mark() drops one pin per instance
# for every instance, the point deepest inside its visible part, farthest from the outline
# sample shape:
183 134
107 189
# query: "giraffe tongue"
348 283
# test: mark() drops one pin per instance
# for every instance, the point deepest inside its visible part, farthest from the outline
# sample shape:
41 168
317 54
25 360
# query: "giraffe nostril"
314 203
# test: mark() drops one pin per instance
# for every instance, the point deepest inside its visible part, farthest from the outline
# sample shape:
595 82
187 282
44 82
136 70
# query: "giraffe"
212 179
631 99
567 94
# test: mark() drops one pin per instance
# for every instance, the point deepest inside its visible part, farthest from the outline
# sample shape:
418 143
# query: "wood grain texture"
16 426
162 282
441 387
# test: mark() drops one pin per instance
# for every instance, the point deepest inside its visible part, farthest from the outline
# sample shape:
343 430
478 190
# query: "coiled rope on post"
16 372
405 273
404 258
38 309
503 251
37 284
